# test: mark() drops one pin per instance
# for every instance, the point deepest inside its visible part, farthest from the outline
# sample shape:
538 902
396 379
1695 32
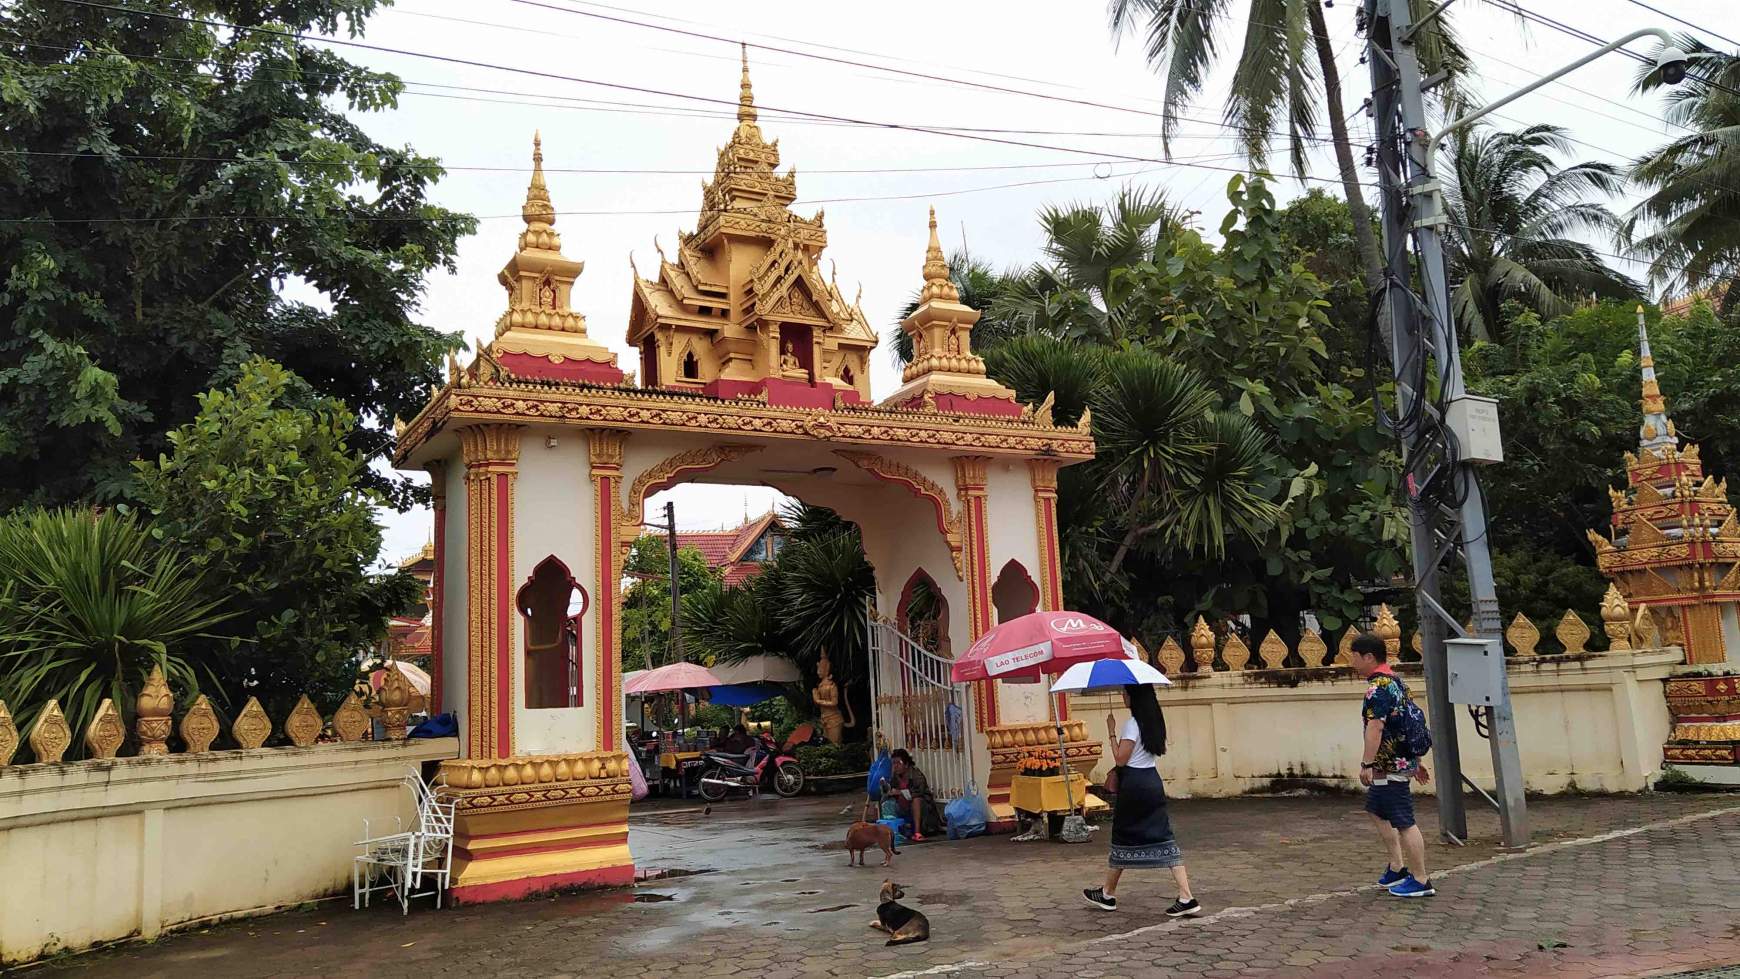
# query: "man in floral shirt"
1386 771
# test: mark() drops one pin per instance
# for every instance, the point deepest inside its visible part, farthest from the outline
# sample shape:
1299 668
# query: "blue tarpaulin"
745 694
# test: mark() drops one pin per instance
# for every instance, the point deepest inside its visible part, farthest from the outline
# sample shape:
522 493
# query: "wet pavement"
1627 885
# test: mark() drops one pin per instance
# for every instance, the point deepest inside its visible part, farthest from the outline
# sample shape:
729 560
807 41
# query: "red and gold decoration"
1674 548
1706 713
491 454
604 455
970 483
530 823
1013 744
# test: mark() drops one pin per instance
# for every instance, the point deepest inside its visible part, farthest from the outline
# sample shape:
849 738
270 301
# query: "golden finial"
937 284
745 95
631 266
537 209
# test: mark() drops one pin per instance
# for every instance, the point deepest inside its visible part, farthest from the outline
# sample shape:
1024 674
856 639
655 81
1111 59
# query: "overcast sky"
874 183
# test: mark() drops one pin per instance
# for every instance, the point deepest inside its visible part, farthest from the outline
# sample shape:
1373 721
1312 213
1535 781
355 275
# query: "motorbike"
773 768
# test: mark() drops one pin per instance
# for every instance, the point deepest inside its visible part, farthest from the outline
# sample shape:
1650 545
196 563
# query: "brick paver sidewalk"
1618 886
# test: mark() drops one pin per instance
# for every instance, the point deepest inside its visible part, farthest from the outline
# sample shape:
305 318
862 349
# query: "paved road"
1617 886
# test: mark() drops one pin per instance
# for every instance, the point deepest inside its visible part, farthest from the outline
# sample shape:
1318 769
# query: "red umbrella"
1033 645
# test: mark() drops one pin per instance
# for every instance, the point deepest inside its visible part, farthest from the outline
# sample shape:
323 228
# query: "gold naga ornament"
107 732
1202 645
350 722
199 726
1312 649
8 736
395 703
303 725
51 735
251 727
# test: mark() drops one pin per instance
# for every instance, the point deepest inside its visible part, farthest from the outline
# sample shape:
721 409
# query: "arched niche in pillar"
1014 593
551 605
923 614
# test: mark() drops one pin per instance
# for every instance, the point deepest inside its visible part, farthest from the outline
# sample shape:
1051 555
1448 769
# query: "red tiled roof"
715 545
724 549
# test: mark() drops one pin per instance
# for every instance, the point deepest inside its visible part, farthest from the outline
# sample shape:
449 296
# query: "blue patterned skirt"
1141 830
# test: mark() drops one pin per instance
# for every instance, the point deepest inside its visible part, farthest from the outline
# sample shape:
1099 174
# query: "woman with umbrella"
1141 832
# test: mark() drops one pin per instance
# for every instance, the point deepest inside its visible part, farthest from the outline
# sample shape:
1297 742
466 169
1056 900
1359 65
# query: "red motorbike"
764 766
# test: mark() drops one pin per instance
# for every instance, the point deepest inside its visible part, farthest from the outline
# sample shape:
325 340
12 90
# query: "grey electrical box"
1474 421
1476 669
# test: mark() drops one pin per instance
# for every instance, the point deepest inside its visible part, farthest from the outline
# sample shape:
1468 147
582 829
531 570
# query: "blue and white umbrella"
1101 673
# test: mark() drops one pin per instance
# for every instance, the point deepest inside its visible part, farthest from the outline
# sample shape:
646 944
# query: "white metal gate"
916 707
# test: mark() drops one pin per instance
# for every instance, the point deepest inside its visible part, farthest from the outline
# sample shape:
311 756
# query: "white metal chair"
398 861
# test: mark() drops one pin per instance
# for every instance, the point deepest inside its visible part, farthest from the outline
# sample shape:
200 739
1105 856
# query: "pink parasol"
676 676
1033 645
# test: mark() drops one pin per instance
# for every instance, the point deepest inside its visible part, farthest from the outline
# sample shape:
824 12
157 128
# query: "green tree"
1286 71
164 179
89 604
1689 224
263 496
646 603
1512 209
981 287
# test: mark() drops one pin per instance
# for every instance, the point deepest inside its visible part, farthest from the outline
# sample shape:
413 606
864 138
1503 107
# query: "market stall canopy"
676 676
1031 646
759 669
629 678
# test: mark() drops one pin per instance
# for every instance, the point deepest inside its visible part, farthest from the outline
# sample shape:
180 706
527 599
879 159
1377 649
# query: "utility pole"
676 587
1448 510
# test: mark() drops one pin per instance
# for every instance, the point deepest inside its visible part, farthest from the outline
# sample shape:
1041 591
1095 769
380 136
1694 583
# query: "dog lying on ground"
865 834
903 925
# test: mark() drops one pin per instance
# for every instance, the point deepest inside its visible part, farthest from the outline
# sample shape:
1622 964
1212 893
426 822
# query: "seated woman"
912 797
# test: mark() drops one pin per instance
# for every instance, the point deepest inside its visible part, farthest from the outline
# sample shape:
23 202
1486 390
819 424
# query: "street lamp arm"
1477 114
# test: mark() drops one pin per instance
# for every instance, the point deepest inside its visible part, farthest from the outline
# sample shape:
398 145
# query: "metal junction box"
1476 669
1474 420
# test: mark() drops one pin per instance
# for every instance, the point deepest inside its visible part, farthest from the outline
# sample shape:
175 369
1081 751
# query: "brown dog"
903 925
863 836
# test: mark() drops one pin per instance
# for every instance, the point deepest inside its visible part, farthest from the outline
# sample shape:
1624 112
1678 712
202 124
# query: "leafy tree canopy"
262 496
164 180
646 603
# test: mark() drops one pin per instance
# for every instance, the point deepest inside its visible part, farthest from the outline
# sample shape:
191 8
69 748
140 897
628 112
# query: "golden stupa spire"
937 284
745 94
537 211
1657 430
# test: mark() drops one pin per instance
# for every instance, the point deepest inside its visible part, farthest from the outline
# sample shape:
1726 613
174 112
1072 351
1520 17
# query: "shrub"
851 758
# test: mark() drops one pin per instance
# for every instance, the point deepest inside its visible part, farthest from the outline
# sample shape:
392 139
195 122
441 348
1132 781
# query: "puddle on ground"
653 898
789 880
669 873
808 893
837 907
944 897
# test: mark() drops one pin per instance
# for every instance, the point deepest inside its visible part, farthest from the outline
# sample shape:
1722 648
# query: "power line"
1681 20
1583 35
644 90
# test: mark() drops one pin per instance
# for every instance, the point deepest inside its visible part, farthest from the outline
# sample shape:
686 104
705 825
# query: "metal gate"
916 707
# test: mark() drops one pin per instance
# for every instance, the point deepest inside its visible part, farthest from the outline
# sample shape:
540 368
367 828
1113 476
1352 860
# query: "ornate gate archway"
542 447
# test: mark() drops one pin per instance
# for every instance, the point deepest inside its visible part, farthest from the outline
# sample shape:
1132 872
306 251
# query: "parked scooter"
771 768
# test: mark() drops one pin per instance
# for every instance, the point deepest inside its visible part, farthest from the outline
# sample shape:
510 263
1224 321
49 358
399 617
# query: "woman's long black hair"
1145 708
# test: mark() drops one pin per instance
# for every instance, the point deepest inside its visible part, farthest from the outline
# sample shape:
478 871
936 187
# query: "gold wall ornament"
1573 633
1344 649
251 727
51 735
303 725
395 700
1616 620
1171 657
948 522
1417 643
1389 630
1313 651
199 726
8 736
1522 635
1234 653
106 732
1202 646
1272 651
350 722
153 714
664 474
1644 632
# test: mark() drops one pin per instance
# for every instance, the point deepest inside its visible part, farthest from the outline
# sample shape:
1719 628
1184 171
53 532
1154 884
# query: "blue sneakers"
1392 877
1409 887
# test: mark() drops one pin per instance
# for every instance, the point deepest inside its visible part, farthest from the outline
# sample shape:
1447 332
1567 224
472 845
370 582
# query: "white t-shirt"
1140 758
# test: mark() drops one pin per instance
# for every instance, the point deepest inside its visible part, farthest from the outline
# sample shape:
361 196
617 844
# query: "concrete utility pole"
676 587
1447 507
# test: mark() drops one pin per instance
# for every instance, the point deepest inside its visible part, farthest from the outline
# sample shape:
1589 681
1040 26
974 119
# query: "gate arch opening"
552 604
1014 593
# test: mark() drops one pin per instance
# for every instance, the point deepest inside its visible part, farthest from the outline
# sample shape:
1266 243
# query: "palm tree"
1079 295
1512 209
1286 70
1692 213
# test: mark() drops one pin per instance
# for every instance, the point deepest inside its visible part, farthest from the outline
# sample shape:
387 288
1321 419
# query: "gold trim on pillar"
604 455
437 579
971 477
491 454
1044 475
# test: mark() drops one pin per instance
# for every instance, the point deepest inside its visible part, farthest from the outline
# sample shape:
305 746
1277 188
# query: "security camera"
1671 62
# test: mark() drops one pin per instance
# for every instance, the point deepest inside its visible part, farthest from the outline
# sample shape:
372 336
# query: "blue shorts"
1392 802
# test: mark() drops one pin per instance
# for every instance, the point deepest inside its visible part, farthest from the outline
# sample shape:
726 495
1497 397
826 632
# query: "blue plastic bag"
968 815
881 770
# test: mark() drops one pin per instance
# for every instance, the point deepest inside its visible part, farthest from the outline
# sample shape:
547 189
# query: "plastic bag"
881 770
968 815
